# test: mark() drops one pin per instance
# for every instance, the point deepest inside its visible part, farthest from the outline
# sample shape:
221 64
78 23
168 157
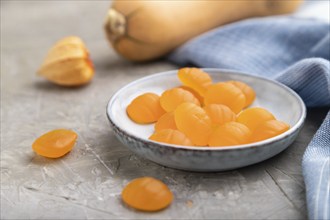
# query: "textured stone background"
86 184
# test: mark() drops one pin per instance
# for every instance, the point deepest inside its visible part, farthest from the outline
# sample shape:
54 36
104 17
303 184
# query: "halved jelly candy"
172 98
55 143
253 117
171 136
166 122
147 194
249 93
226 94
193 121
229 134
145 108
269 129
195 78
219 114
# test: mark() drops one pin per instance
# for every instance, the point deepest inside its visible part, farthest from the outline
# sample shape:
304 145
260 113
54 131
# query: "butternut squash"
142 30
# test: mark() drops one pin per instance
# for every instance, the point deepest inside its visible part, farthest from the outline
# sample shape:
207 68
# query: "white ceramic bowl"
284 103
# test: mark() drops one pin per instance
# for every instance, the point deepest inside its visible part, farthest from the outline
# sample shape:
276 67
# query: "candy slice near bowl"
284 103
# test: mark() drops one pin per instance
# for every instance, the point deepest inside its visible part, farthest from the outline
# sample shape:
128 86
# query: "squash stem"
115 25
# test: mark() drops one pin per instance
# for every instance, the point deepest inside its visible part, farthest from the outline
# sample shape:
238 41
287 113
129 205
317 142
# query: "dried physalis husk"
67 63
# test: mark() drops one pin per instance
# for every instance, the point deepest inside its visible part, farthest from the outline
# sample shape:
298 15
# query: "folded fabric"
316 170
294 51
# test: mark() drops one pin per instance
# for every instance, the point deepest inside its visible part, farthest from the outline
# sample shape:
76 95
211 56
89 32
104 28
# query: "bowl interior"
277 98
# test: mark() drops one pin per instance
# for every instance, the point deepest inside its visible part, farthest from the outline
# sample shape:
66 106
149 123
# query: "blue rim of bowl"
292 130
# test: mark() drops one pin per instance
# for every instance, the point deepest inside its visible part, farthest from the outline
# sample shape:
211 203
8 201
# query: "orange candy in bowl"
205 113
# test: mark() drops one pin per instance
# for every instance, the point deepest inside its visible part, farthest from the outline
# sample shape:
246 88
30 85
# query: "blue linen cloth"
294 51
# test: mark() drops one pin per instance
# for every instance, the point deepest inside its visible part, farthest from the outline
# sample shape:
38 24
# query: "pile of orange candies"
203 113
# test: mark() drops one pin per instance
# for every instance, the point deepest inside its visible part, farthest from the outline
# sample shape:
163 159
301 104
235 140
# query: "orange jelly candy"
253 117
55 143
220 114
249 93
147 194
171 136
166 122
195 78
194 122
196 94
172 98
145 108
226 94
229 134
269 129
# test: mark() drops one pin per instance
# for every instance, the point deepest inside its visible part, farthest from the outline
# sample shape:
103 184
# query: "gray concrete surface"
86 184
